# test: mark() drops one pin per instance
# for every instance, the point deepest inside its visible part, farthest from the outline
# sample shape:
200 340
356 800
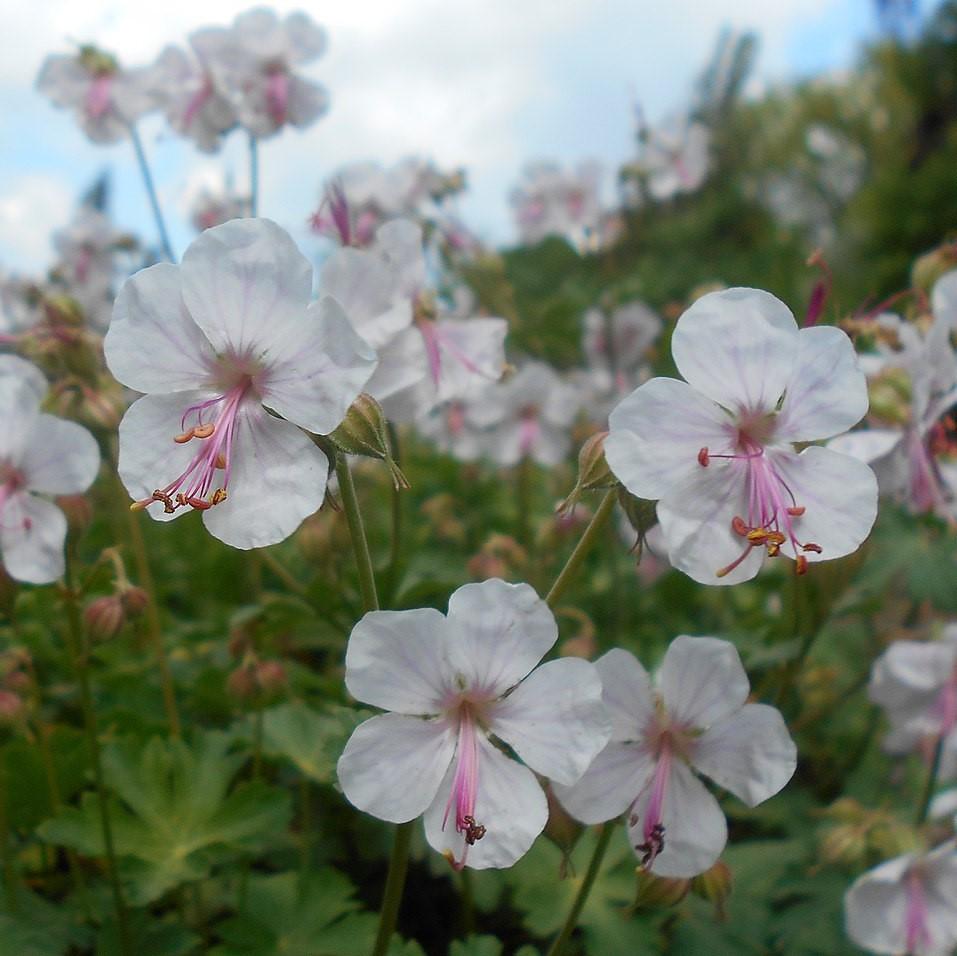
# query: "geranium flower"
528 416
675 157
425 359
452 683
193 97
39 454
718 449
915 684
107 100
906 905
694 717
912 444
215 342
258 75
552 202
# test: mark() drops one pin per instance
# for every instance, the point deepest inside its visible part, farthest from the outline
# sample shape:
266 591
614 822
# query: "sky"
488 85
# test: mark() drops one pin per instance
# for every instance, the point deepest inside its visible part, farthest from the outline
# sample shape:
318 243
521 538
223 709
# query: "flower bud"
104 617
135 600
890 396
929 267
658 892
593 470
271 676
17 681
640 513
714 885
363 432
500 557
78 510
12 707
241 683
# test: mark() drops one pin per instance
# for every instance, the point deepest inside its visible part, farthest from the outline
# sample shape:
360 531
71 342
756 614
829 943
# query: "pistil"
465 786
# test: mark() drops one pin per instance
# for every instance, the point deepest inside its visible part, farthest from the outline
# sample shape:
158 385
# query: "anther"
220 462
796 511
800 564
200 504
185 437
473 831
219 495
811 546
739 527
204 431
653 845
758 535
703 458
165 498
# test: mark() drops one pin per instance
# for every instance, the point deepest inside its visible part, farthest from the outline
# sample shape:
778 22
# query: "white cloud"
31 207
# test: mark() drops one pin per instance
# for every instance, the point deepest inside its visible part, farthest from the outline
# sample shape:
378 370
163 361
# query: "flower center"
465 783
197 101
529 429
277 94
11 482
772 508
214 426
98 96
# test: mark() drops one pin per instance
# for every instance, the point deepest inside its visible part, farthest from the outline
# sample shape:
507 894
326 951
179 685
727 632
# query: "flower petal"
875 908
656 433
319 373
750 753
610 785
702 681
153 344
22 387
867 444
393 764
695 828
247 285
510 805
278 478
839 495
497 633
696 516
307 101
61 458
396 660
32 533
737 347
555 719
827 392
471 354
626 692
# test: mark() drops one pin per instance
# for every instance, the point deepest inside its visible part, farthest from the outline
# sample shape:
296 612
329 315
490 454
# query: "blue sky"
487 85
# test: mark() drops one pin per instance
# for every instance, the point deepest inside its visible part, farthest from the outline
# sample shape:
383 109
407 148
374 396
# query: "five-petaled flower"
906 905
452 682
215 342
38 454
718 449
694 717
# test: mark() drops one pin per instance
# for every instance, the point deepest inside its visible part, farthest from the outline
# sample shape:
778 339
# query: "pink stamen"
465 786
12 485
197 101
945 707
529 430
432 351
194 487
277 95
98 96
916 918
925 491
653 829
456 419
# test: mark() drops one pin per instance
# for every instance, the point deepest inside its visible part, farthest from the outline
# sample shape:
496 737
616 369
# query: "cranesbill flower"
694 717
107 100
452 683
214 342
915 684
553 202
718 449
675 157
39 455
425 359
906 905
259 74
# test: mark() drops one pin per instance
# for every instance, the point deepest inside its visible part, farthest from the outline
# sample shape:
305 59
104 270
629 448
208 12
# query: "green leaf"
476 946
39 928
175 816
150 938
284 915
309 739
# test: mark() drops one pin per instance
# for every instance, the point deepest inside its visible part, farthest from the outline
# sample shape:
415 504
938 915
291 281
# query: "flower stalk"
151 192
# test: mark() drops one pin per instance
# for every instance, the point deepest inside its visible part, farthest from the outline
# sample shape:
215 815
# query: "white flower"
107 100
450 428
258 73
86 249
452 682
717 450
915 458
528 416
39 454
695 717
194 101
615 343
915 684
214 342
552 202
906 905
425 359
675 157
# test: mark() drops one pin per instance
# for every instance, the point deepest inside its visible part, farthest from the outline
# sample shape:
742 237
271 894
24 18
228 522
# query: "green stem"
292 583
253 176
395 550
931 781
6 855
581 898
80 658
468 901
394 885
151 192
258 722
523 498
350 505
585 544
